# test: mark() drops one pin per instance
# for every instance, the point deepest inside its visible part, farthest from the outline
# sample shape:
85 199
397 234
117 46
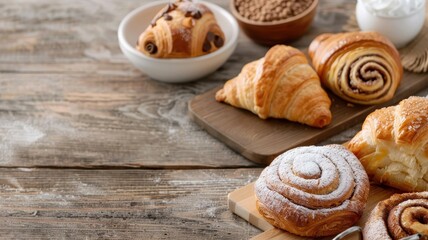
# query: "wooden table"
91 148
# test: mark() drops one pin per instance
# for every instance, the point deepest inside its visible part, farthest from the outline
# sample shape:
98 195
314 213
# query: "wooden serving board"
242 202
262 140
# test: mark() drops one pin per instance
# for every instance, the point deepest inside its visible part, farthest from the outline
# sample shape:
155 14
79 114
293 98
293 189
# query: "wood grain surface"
121 204
242 202
69 100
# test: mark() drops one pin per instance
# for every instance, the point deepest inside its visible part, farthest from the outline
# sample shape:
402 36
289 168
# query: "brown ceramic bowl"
271 33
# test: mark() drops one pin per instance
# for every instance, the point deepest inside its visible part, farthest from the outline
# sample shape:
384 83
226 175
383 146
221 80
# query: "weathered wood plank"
121 204
100 127
64 120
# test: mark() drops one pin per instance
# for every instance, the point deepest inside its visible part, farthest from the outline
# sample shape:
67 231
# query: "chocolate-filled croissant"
182 30
359 67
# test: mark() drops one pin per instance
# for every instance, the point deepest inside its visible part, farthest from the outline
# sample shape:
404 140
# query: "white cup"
400 30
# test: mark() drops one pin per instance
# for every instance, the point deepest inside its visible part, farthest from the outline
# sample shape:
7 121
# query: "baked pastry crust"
400 216
313 191
393 145
182 30
280 85
359 67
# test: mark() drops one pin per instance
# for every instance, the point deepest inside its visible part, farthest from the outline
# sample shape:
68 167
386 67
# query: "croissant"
400 216
280 85
359 67
313 191
182 30
393 145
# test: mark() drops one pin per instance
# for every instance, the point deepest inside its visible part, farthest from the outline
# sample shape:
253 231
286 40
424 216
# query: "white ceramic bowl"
175 70
400 30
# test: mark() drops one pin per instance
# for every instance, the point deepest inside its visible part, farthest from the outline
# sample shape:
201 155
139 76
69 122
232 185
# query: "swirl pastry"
182 30
313 191
393 145
280 85
400 216
359 67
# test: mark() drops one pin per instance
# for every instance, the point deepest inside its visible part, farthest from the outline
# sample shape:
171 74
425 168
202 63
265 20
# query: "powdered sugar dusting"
307 169
185 34
16 133
414 109
188 6
309 182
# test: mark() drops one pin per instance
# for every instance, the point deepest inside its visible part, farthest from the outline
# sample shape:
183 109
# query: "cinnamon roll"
359 67
400 216
313 191
182 29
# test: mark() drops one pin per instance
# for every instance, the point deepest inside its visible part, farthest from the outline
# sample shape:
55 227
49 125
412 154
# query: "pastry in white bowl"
182 29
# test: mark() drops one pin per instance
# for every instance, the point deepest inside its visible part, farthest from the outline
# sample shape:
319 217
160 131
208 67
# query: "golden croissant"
181 30
280 85
393 145
359 67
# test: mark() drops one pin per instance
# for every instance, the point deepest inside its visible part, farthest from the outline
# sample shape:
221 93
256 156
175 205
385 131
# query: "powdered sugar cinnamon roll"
359 67
313 191
400 216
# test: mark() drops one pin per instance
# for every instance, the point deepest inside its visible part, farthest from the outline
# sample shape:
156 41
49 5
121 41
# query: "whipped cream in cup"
398 20
392 8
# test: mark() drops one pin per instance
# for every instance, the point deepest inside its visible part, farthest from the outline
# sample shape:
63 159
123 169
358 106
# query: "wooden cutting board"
242 202
262 140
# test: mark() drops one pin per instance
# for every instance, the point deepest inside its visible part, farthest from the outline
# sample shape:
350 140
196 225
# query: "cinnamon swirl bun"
313 191
400 216
359 67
